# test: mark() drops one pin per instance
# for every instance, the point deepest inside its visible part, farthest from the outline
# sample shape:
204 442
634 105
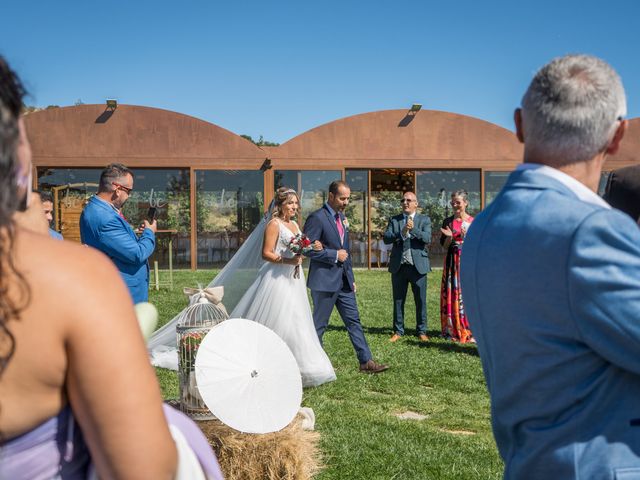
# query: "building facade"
210 186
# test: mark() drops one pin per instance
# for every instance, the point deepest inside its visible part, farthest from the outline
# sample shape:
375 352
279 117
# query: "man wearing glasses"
410 233
103 227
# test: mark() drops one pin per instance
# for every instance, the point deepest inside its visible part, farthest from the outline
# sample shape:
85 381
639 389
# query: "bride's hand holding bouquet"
300 245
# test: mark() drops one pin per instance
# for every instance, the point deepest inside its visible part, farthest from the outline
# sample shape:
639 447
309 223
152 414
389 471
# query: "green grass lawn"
362 437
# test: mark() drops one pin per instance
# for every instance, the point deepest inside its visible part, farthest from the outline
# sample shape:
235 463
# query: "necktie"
406 247
340 228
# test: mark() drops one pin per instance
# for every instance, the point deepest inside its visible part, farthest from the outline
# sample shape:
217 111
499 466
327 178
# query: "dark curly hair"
11 95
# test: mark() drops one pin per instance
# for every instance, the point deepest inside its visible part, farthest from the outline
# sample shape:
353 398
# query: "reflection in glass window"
357 215
387 188
312 185
434 189
71 188
229 204
165 189
493 183
168 191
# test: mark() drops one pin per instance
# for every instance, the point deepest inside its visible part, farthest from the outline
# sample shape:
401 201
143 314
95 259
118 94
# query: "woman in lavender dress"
77 393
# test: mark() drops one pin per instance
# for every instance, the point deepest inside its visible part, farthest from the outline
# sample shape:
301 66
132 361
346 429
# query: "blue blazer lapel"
398 220
110 211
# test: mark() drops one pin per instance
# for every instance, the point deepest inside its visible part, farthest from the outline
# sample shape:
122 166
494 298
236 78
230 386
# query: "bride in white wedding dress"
259 285
279 301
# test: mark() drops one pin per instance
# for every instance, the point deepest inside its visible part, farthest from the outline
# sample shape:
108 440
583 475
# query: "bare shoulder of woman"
69 269
110 383
272 227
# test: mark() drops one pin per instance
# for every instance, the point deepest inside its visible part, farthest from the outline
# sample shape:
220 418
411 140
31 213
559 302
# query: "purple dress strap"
56 449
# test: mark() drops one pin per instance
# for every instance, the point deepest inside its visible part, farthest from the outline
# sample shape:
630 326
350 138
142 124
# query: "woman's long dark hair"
11 94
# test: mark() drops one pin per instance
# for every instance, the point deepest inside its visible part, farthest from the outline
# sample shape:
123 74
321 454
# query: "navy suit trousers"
345 301
400 280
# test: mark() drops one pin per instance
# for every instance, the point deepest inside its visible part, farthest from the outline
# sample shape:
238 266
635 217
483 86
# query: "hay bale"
290 454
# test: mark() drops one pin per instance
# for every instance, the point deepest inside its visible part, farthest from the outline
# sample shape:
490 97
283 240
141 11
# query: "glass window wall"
434 189
165 189
358 215
229 204
493 183
387 187
311 184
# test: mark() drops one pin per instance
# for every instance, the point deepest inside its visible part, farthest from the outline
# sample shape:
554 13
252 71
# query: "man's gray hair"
571 110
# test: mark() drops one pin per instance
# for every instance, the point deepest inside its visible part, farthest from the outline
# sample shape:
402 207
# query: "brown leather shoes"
372 367
395 337
423 338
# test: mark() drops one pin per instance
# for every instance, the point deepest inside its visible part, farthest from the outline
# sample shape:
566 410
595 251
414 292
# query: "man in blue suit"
410 233
551 281
331 277
103 226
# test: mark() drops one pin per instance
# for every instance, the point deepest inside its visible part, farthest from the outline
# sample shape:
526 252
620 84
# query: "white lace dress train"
279 301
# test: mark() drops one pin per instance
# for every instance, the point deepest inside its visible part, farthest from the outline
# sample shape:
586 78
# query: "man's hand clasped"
408 227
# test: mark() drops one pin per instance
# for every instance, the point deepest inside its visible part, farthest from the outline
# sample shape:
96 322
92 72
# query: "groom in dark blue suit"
330 274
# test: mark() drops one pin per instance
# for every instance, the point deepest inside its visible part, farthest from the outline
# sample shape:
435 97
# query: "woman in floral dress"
454 228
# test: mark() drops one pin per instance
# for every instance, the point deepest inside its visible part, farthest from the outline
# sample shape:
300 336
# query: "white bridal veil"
236 277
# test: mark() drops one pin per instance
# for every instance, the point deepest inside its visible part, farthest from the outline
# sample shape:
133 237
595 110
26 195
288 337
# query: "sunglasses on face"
122 187
407 200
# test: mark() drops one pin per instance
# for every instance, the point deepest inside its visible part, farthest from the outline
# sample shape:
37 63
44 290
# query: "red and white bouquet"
299 245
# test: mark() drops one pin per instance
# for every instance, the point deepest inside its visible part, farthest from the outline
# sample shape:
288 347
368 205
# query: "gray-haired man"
551 281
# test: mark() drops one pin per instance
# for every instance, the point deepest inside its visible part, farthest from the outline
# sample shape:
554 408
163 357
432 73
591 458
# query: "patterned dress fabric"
452 315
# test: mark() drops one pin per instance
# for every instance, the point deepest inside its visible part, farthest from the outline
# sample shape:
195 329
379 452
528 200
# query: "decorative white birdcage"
205 310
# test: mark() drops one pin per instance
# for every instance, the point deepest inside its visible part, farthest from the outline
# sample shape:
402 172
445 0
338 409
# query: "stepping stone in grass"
457 432
409 415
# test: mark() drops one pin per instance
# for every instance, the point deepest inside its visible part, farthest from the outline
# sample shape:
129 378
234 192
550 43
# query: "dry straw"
290 454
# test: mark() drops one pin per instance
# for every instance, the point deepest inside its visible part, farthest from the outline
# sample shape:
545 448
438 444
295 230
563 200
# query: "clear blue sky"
279 68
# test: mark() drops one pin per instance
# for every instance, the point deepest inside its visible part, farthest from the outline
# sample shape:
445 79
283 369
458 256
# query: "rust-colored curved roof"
391 138
88 135
629 153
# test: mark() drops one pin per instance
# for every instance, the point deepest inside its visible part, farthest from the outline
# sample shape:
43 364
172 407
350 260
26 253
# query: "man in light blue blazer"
551 281
103 226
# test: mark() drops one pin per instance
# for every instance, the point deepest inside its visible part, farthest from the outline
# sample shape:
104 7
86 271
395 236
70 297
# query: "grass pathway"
360 416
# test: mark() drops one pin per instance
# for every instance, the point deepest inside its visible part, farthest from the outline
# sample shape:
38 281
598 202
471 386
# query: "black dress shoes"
372 367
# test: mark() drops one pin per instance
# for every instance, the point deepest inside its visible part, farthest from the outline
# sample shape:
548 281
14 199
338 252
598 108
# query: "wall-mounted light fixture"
415 108
112 104
266 165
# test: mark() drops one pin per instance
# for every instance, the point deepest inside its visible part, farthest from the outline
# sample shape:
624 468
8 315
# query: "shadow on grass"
411 339
447 347
368 330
